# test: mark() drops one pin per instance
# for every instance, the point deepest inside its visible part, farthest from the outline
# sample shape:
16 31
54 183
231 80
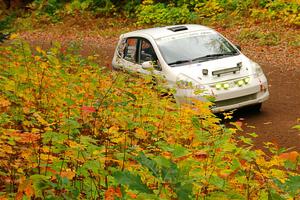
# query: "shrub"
279 9
163 14
6 22
70 129
171 11
263 38
208 9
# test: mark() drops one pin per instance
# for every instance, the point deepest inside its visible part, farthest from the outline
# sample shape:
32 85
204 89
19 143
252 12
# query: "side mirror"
238 47
147 65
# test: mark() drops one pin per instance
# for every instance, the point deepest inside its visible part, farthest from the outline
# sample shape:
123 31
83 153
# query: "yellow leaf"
279 174
13 36
140 133
68 174
37 58
38 49
113 129
40 119
4 102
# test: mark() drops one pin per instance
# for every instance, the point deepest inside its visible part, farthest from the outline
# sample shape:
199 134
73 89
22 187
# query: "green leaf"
69 101
253 135
54 137
40 183
246 140
179 151
134 182
217 181
296 127
184 191
291 185
171 173
162 161
290 165
53 60
273 195
195 122
131 95
149 164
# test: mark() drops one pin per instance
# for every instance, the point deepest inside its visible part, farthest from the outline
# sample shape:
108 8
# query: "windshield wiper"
179 62
213 56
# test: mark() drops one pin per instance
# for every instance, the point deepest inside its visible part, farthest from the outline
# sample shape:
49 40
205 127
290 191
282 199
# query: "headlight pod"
186 82
256 69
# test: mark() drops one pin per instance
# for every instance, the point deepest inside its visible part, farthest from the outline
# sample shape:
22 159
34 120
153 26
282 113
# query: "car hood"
217 70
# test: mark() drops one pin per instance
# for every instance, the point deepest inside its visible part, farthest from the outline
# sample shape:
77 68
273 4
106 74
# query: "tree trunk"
7 3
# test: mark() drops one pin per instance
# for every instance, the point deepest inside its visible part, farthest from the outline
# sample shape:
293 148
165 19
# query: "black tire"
256 107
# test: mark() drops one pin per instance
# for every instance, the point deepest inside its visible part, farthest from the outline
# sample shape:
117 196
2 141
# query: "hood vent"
178 28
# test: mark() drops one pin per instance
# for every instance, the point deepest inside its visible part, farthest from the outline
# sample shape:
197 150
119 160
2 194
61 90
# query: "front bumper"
234 97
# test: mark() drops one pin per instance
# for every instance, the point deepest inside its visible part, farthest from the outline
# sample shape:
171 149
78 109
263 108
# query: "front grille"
236 100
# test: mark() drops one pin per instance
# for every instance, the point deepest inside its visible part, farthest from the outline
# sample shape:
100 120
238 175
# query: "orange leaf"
29 190
223 175
29 138
243 162
132 195
118 192
200 155
111 192
292 156
19 196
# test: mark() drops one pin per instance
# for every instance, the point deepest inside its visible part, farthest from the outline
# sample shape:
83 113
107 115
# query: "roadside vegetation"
161 12
71 129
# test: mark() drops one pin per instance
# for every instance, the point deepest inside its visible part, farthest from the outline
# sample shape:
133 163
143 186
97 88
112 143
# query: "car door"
136 50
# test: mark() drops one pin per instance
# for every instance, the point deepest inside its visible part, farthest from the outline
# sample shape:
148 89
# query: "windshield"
197 46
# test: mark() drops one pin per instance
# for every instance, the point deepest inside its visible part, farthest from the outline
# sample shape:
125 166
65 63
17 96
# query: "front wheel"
256 107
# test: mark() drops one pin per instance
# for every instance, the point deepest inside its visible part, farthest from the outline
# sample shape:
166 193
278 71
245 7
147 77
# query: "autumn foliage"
73 130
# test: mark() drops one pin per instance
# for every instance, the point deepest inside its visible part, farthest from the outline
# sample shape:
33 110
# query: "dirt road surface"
280 62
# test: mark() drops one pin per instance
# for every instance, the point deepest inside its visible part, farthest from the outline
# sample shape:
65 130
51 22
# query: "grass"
263 38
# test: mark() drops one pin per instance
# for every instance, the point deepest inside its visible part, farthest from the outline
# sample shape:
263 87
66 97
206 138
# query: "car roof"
165 31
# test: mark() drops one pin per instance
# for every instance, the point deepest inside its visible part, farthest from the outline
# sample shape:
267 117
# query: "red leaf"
88 109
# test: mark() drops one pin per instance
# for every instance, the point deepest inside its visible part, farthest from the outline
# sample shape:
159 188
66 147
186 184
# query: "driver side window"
147 53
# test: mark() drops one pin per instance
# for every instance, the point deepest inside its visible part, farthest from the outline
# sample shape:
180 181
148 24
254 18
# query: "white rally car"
194 57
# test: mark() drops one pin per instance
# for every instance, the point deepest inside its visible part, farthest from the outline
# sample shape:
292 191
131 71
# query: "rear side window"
121 47
130 52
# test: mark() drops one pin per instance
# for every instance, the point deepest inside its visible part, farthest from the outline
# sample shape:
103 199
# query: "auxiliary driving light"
218 86
225 86
240 83
247 80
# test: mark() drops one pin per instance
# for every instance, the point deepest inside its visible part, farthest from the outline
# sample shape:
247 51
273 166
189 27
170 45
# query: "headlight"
256 69
185 82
